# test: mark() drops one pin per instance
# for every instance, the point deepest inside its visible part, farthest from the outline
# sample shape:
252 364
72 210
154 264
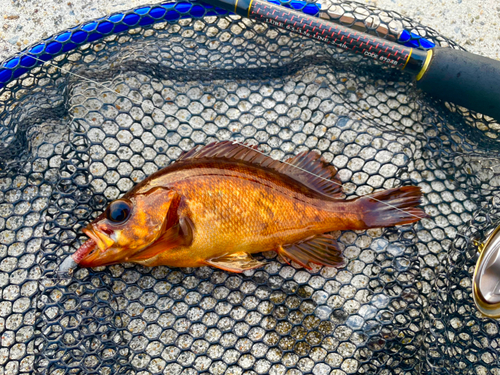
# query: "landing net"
121 97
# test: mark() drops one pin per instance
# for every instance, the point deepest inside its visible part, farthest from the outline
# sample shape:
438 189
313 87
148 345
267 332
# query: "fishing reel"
486 279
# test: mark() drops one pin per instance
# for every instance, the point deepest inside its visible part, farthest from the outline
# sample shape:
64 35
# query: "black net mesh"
82 129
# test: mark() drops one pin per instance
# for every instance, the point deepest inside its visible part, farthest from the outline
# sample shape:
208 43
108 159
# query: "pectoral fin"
322 250
237 262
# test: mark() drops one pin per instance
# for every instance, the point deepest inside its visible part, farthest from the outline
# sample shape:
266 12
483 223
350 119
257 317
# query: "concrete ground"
475 24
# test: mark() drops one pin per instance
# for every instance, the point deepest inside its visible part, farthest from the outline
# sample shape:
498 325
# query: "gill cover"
120 236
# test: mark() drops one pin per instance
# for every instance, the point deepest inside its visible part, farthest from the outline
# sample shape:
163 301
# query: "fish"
219 204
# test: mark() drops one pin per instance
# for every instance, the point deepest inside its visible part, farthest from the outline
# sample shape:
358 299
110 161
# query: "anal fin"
236 262
322 250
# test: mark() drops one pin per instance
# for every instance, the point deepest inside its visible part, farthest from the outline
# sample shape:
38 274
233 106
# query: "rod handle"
466 79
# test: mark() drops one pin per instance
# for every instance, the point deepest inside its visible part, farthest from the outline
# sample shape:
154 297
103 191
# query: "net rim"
146 16
97 29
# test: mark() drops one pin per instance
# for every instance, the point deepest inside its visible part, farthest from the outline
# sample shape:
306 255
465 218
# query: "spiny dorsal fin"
236 262
306 167
322 250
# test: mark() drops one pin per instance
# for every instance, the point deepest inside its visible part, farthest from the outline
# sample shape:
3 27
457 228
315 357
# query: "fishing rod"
460 77
370 25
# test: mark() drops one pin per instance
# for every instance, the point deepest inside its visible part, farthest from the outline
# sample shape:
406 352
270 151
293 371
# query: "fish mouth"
90 253
84 251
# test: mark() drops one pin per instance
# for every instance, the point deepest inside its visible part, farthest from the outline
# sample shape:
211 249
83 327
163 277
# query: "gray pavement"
474 24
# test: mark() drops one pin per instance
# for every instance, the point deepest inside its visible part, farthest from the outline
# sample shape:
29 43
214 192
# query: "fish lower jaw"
84 250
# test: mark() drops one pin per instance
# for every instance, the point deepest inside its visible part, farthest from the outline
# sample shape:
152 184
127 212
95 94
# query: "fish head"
127 226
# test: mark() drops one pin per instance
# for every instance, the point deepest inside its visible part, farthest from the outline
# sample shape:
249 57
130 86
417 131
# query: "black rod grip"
469 80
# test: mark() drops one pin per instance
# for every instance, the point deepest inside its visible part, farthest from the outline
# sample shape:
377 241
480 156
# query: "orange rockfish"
220 203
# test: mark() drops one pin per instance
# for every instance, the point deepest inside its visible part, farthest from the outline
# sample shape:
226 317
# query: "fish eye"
118 211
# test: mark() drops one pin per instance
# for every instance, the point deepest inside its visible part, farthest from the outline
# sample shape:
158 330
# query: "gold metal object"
486 279
408 59
249 7
480 247
426 65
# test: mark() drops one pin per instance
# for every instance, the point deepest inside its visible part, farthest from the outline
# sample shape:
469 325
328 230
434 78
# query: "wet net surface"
73 140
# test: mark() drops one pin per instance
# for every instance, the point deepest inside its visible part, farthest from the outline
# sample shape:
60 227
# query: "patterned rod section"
393 54
311 27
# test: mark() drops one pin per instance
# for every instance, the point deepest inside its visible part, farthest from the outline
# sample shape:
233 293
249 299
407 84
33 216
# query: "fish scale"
220 203
252 230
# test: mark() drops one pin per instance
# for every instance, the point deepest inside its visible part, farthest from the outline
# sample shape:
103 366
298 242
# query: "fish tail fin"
390 207
322 250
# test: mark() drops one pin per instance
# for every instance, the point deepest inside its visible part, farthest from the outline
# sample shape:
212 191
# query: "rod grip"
466 79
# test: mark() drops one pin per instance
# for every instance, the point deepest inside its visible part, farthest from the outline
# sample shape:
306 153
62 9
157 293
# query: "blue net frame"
116 23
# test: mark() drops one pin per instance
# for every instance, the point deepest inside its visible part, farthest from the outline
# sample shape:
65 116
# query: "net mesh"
82 129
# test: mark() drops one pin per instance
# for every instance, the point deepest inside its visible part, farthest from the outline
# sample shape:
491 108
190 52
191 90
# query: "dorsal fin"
310 169
306 167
